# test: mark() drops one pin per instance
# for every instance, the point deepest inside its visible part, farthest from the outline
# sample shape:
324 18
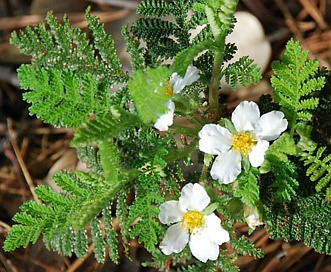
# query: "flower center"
243 142
170 89
193 220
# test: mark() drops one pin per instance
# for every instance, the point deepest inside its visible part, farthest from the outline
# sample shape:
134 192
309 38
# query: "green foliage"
112 123
285 180
248 189
295 83
155 8
134 49
64 47
165 38
284 171
62 218
305 142
319 170
98 240
111 235
219 14
246 247
77 80
226 261
59 97
185 57
148 90
282 148
61 90
80 243
305 220
242 71
143 211
122 213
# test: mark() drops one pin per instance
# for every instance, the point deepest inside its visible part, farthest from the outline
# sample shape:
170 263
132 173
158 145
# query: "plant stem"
204 173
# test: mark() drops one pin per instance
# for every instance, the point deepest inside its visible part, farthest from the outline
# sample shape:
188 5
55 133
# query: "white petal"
252 217
175 240
191 75
171 212
178 83
226 167
214 139
214 230
194 197
256 156
270 126
245 116
167 119
202 248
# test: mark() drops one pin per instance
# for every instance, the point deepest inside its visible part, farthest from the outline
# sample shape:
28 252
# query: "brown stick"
20 159
311 8
77 263
77 19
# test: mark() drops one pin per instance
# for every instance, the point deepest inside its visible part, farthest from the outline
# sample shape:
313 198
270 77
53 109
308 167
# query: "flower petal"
226 167
245 116
167 119
256 156
178 83
252 217
202 248
214 230
214 139
191 75
171 212
175 240
194 197
270 125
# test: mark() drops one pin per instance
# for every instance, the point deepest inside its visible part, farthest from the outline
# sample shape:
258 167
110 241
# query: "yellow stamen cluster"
243 142
170 89
193 220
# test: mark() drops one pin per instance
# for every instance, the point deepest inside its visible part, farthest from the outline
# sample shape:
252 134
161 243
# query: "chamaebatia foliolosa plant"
265 162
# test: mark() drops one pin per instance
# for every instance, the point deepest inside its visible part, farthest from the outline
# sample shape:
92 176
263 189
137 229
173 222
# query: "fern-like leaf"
111 235
246 247
148 90
284 171
111 124
62 218
98 240
319 170
134 49
20 235
294 83
185 57
242 71
60 89
285 180
144 213
305 220
248 189
165 38
80 244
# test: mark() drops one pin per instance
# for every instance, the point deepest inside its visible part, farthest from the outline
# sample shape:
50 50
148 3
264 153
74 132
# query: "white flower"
202 232
175 86
252 217
251 139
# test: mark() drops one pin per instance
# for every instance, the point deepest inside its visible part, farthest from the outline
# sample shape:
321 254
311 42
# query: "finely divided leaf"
148 89
295 82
